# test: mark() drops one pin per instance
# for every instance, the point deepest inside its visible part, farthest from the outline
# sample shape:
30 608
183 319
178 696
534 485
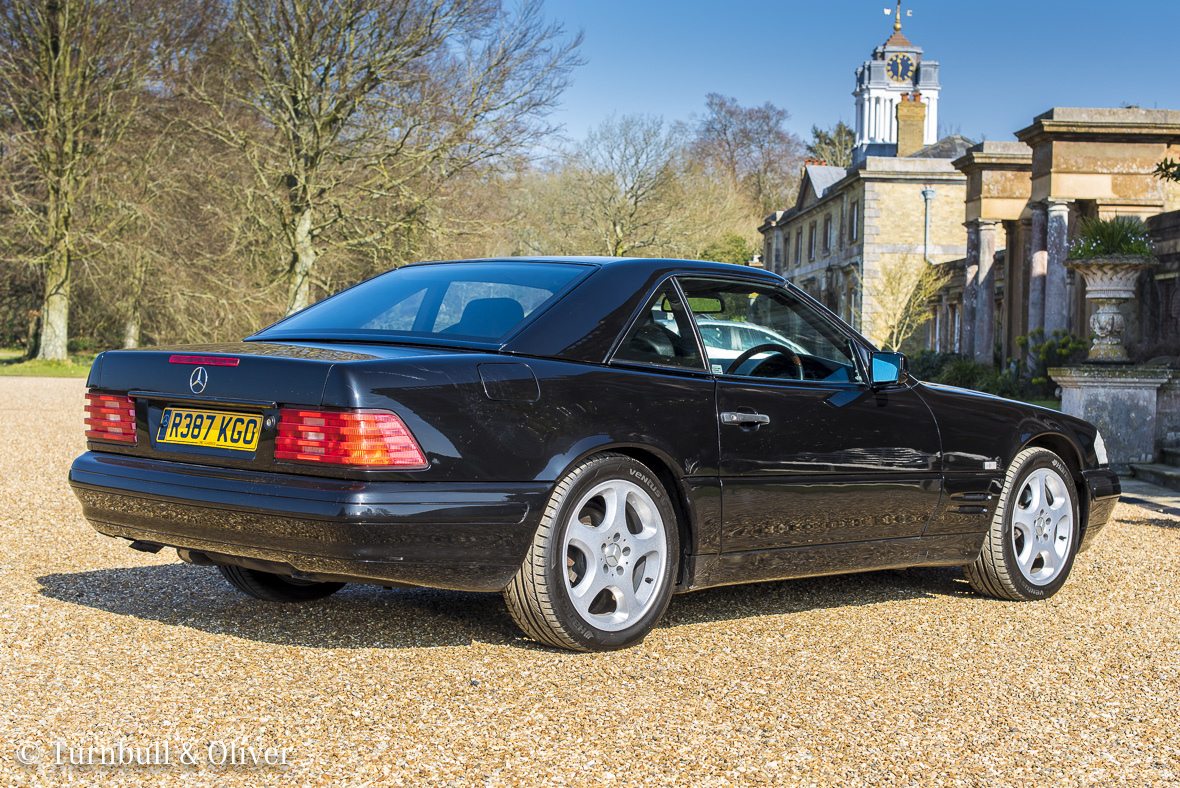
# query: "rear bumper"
469 537
1104 489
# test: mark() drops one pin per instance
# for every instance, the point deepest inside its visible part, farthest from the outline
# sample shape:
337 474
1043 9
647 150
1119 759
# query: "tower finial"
897 19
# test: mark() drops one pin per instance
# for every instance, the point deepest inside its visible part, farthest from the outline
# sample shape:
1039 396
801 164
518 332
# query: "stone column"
985 292
970 286
943 325
1016 293
1038 258
1056 297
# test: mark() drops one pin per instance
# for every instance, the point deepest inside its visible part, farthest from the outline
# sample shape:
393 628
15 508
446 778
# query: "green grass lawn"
12 362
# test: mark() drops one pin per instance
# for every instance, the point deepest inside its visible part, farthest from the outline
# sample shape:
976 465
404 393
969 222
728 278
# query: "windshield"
477 302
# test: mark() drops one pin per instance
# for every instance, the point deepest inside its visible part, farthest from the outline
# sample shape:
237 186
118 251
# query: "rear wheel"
600 570
276 588
1034 536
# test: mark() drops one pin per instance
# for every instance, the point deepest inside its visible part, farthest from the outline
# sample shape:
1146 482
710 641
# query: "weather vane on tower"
897 19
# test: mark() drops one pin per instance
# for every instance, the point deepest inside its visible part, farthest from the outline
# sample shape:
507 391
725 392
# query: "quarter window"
662 335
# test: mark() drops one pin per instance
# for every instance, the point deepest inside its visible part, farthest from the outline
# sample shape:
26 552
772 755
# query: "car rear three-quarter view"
587 436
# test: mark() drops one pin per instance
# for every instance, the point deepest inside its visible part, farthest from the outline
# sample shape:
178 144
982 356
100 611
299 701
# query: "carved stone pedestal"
1121 401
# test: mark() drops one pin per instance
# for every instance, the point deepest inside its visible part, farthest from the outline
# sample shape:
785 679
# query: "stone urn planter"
1110 280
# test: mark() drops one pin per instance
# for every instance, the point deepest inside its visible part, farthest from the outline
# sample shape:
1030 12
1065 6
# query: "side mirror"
888 368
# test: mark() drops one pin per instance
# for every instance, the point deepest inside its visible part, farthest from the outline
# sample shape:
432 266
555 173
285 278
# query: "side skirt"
757 566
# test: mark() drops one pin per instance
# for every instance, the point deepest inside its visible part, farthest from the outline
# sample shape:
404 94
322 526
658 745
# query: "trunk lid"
239 387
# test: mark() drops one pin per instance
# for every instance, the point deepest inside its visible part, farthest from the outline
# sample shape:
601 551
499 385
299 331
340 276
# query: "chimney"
911 120
808 162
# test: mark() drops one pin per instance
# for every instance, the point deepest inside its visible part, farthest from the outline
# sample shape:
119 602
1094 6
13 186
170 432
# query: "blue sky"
1001 62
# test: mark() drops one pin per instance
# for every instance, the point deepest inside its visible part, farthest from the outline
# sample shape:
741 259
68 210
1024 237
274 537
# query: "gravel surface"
888 678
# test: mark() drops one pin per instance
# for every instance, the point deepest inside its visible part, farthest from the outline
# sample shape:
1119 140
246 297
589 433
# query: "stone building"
900 204
1023 200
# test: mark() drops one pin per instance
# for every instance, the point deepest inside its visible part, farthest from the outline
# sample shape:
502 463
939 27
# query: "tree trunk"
55 308
131 331
302 261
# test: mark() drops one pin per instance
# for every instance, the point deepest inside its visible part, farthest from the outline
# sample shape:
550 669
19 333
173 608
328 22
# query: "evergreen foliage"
1120 235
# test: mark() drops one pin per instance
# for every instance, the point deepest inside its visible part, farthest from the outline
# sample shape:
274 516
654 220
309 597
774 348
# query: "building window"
811 241
853 219
827 235
798 246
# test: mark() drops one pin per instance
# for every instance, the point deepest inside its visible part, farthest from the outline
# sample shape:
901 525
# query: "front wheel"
601 567
1034 536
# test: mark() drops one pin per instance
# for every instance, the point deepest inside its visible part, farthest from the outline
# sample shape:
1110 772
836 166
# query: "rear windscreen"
478 302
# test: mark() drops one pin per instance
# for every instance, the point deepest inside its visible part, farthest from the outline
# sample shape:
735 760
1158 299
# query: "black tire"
639 548
1030 548
276 588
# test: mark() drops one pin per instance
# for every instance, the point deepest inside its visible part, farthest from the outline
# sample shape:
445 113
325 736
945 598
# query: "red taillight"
367 438
110 418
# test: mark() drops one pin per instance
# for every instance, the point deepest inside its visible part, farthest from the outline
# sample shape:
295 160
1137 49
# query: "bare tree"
750 148
898 298
351 113
629 189
70 71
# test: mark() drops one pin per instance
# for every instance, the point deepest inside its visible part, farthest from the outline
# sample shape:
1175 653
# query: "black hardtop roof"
652 263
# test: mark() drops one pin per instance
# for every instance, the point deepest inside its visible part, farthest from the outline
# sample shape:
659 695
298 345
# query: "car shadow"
785 597
363 616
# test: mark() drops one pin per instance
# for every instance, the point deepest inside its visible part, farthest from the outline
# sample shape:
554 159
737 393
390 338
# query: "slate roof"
951 147
823 177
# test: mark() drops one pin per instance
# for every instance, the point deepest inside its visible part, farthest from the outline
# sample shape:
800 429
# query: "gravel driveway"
889 678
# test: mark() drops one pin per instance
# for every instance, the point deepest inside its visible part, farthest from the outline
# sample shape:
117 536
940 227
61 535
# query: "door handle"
733 417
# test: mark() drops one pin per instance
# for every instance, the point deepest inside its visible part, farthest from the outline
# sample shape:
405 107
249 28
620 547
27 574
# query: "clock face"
900 68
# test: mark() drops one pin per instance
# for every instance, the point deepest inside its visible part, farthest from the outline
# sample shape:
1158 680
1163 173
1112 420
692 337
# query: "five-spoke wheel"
1033 539
615 550
601 567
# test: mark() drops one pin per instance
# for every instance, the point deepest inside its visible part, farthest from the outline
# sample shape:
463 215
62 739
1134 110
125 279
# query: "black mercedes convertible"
587 436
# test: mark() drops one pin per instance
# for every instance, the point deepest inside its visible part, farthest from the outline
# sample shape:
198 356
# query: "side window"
661 335
765 331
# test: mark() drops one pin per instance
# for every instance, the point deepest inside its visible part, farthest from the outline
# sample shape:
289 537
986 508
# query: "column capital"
987 224
1057 204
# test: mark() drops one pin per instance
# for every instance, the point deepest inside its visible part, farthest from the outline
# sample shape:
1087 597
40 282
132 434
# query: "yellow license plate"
210 428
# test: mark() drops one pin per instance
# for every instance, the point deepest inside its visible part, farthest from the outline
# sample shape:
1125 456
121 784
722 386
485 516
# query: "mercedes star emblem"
198 380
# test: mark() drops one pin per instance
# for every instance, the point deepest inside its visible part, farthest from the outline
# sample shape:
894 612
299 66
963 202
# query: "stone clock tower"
896 68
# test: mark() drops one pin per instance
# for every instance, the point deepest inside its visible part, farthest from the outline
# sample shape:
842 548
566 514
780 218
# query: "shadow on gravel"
784 597
358 616
1159 522
363 616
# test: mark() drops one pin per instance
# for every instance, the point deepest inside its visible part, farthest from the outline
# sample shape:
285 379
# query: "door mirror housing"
887 368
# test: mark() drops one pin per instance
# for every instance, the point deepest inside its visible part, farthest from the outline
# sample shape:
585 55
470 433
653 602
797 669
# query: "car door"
810 454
